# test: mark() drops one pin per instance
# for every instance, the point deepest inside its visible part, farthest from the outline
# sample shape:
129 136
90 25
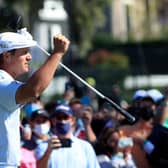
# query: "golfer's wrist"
58 54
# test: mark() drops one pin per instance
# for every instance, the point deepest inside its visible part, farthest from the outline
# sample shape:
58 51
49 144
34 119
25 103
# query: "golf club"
128 116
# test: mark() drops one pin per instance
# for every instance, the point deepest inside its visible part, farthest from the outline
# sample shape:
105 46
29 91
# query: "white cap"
11 40
139 94
155 94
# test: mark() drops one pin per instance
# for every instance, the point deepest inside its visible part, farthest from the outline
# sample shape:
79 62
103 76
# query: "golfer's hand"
61 44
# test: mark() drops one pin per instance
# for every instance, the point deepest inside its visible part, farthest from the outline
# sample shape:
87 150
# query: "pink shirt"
28 159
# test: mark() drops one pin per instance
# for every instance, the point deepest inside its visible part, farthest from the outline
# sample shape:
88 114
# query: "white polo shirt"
80 155
9 121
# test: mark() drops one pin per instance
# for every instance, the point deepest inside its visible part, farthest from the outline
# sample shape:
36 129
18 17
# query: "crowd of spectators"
70 132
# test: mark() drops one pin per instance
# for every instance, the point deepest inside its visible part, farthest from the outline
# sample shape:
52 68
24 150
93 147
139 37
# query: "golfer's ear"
6 56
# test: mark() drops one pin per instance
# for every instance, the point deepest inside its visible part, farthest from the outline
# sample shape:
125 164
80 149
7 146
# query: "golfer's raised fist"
61 44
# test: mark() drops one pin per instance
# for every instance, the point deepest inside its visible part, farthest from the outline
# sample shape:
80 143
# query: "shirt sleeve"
8 94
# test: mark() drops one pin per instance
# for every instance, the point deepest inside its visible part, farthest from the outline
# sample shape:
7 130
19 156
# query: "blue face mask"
63 128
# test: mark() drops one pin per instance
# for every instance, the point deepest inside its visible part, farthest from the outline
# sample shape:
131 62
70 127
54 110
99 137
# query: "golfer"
14 61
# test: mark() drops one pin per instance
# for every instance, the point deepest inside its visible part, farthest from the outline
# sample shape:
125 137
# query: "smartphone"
125 142
65 143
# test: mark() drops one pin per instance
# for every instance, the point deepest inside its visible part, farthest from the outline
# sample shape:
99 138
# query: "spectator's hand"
86 117
61 44
127 151
125 145
54 143
26 132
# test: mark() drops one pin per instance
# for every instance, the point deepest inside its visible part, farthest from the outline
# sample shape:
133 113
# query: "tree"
6 14
27 9
84 17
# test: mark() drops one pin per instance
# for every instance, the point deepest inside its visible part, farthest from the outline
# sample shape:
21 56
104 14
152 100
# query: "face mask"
63 128
165 123
42 129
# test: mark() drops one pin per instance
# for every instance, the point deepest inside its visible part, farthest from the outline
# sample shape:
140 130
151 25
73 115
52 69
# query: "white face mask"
42 129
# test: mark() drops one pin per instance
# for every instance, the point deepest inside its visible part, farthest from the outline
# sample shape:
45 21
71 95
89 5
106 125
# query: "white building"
52 20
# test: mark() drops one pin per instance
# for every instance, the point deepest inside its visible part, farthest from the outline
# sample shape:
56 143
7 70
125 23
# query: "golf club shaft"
117 107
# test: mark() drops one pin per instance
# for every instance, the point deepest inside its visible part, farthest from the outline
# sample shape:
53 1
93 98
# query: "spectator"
104 149
83 117
139 131
77 153
156 146
69 93
89 97
105 117
144 99
28 109
111 153
40 126
79 130
86 115
152 99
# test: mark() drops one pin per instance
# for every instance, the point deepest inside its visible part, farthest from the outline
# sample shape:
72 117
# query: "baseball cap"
11 40
62 109
30 108
39 112
139 94
69 86
155 94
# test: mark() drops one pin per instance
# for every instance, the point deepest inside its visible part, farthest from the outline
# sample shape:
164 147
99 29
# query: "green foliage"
105 40
24 8
6 13
105 58
84 17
